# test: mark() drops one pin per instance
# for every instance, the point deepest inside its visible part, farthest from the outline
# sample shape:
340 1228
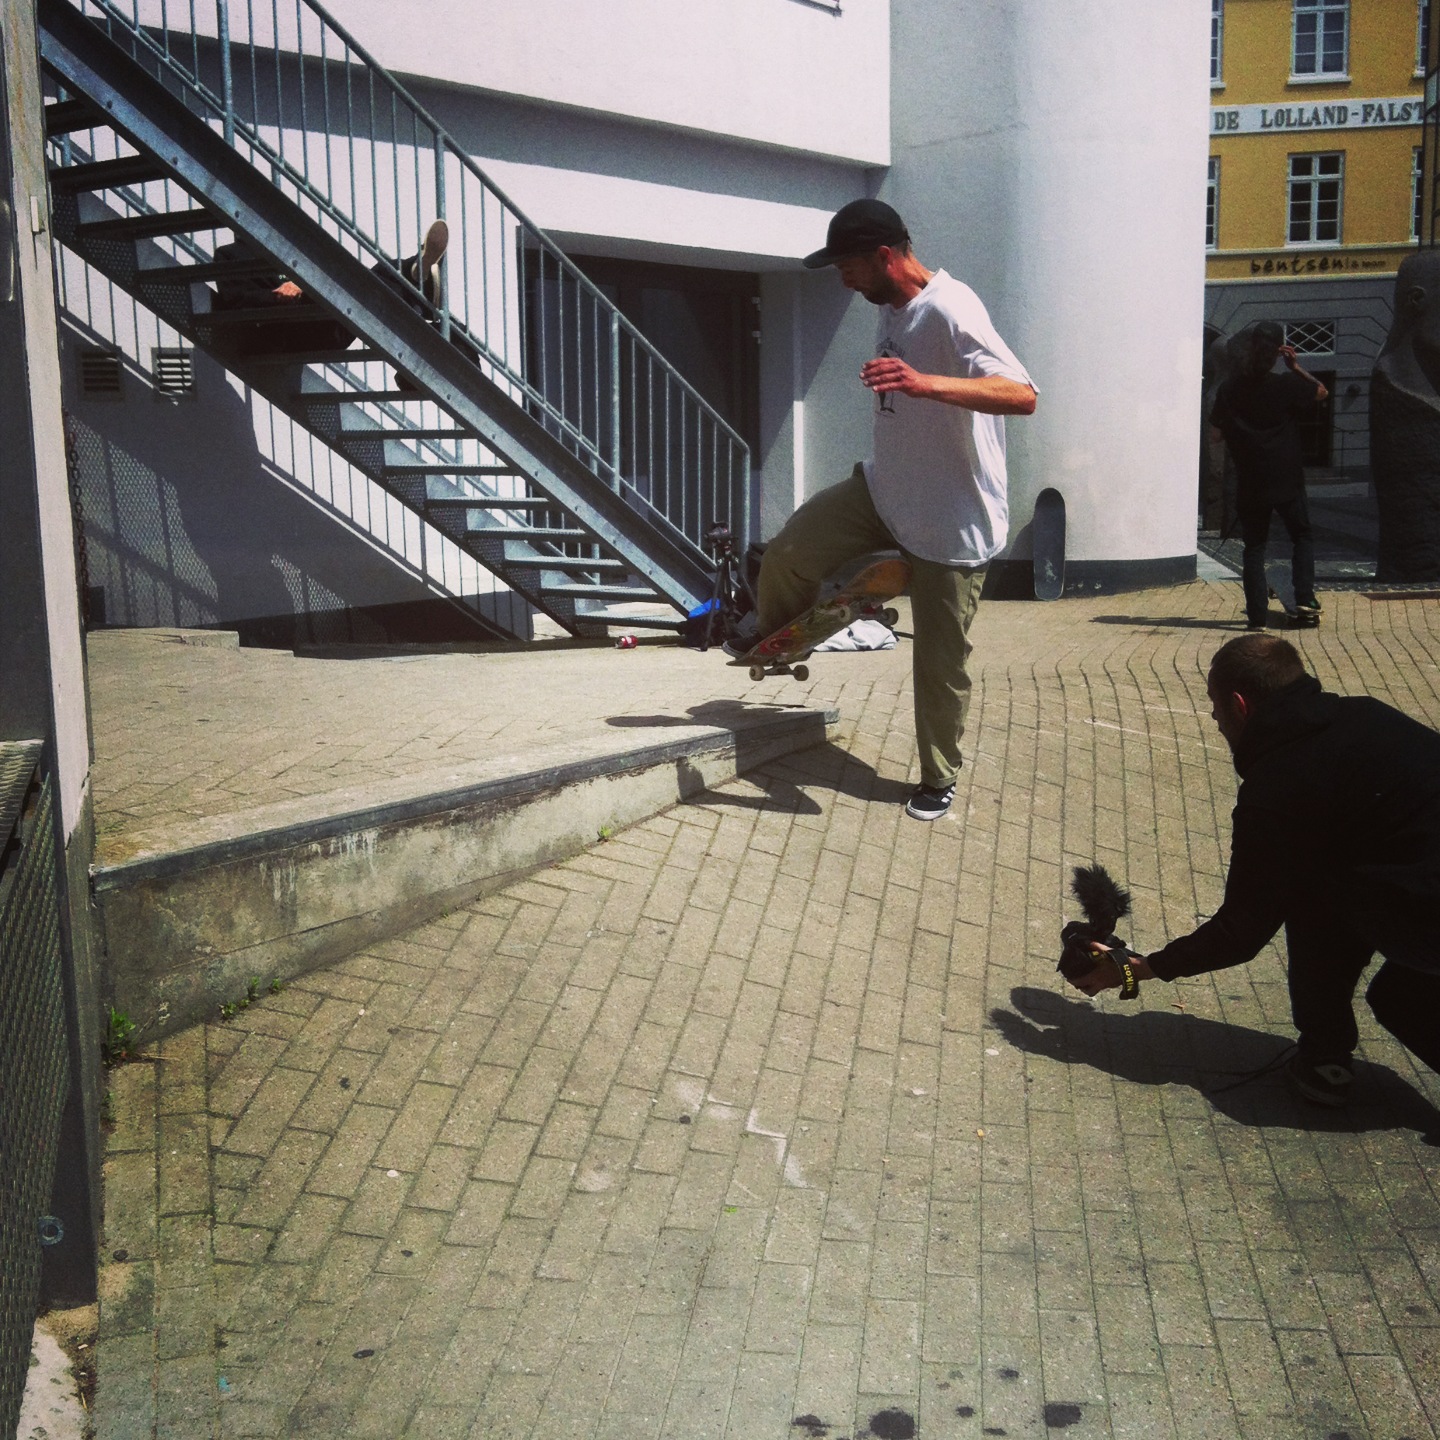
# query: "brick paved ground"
772 1108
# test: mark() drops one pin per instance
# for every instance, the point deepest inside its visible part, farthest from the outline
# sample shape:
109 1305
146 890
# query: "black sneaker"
929 803
742 639
1328 1083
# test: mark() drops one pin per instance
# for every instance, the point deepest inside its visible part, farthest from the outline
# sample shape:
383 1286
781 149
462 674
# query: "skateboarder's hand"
889 372
288 290
1287 354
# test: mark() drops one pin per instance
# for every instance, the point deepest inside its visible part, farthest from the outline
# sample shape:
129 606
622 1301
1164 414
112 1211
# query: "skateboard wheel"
890 616
801 672
757 672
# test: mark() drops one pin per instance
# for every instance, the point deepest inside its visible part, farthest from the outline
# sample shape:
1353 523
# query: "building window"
1422 41
1417 193
1322 36
1314 210
1212 205
1311 337
1217 42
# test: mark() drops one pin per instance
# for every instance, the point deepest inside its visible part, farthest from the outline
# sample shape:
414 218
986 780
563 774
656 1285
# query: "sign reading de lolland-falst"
1327 115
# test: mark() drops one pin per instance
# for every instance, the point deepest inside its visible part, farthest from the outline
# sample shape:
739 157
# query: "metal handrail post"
615 398
442 287
227 76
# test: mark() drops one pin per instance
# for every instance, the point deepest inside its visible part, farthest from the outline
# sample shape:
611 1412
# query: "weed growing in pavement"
116 1044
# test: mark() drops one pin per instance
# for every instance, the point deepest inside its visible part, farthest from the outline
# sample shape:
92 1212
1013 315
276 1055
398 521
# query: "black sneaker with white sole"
929 802
1326 1083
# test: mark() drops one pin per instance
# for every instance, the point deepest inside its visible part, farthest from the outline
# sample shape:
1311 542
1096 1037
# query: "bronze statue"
1405 427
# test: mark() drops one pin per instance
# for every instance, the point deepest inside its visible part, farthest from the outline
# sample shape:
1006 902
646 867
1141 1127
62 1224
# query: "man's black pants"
1255 531
1327 959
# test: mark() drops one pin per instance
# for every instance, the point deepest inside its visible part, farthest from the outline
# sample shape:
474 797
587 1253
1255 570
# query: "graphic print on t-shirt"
888 351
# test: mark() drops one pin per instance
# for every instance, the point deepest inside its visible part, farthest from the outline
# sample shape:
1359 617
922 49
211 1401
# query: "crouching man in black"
1336 836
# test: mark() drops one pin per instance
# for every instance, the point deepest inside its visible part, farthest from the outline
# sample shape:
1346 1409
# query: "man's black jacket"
1338 814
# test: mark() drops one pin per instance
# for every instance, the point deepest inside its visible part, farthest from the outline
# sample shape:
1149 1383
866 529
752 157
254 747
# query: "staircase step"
600 592
419 432
147 227
671 621
563 562
106 174
486 502
315 357
357 397
534 535
441 467
210 270
286 314
64 116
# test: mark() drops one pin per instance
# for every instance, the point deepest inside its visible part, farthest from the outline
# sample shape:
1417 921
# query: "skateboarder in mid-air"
1257 411
943 380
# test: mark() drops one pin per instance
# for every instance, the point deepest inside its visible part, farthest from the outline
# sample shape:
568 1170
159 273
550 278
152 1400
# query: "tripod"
730 595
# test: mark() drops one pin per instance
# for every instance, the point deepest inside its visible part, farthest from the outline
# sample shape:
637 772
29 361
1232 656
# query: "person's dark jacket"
1338 813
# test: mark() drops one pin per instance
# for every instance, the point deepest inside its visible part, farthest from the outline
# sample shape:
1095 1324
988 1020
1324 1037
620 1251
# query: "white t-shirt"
938 476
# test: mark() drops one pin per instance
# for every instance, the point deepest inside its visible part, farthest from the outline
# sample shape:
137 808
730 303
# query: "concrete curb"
195 913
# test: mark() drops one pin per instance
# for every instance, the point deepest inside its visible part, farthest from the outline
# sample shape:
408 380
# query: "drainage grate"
174 369
101 374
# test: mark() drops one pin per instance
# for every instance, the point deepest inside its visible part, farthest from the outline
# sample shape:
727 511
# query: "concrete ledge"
189 915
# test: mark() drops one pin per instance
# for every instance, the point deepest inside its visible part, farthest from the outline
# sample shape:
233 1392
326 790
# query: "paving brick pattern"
769 1117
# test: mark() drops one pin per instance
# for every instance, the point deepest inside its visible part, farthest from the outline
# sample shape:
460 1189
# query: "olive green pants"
837 527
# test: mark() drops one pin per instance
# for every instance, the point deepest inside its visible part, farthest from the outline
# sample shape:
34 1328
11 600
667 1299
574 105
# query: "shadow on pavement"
1156 1047
827 766
1170 622
721 713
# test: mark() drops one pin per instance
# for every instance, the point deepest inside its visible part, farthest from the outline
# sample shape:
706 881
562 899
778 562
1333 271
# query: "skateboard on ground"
1047 543
864 597
1281 583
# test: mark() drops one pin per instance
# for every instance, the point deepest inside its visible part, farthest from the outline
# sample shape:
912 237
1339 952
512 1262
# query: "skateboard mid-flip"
863 598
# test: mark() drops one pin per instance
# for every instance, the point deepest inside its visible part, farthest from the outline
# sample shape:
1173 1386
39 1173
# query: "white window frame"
1217 44
1422 37
1417 191
1212 205
1324 12
1311 184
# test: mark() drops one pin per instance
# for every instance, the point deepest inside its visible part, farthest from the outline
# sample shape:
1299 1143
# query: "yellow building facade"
1315 135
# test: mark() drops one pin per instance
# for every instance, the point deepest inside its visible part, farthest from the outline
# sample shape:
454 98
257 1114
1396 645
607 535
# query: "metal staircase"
515 409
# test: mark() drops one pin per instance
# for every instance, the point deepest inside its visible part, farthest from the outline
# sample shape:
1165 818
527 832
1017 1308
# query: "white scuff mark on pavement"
51 1409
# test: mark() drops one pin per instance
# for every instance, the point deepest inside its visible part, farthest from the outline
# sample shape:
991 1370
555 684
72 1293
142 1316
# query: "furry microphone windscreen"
1105 904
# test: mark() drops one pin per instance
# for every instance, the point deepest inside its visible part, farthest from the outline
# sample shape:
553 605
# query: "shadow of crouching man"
1214 1057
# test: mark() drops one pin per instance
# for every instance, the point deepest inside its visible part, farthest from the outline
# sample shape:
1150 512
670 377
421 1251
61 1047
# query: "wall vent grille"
101 374
173 367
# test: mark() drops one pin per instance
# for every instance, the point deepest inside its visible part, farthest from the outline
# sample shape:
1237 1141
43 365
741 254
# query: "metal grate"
173 367
1311 337
34 1055
101 374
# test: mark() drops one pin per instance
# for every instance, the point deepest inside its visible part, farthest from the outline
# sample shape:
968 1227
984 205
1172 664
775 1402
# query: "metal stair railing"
432 571
290 90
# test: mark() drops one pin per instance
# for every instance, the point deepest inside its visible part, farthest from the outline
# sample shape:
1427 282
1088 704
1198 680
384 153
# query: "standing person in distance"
1257 411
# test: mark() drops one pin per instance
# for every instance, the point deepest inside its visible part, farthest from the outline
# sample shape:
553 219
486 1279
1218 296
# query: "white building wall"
1054 158
775 72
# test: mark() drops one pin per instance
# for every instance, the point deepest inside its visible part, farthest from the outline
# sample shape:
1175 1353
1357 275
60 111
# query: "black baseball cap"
856 229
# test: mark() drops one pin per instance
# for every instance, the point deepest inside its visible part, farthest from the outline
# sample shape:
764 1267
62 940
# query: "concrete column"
1054 158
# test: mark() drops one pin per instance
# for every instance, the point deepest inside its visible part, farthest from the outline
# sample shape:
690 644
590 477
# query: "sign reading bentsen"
1333 115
